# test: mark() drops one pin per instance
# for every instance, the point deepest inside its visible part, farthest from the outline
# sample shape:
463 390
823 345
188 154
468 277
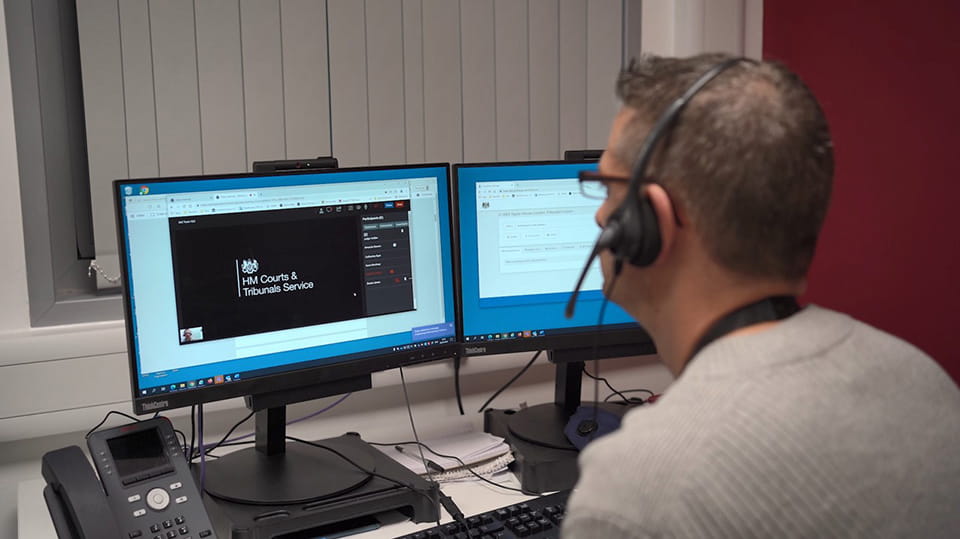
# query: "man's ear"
667 217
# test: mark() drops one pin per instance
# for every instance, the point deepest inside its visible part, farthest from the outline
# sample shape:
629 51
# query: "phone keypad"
174 528
181 532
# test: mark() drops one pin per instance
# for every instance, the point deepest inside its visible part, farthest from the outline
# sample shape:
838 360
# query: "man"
807 425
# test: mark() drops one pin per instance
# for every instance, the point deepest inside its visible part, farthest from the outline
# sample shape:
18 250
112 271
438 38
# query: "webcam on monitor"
582 155
286 165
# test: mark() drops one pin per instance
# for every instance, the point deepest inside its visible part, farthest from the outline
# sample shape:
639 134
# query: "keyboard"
539 518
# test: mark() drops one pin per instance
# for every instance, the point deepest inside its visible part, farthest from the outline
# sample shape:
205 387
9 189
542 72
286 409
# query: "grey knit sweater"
821 426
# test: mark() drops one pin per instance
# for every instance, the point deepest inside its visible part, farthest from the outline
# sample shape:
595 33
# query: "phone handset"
142 486
75 496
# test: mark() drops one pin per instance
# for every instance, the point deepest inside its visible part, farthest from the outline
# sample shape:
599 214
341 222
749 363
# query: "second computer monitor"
525 232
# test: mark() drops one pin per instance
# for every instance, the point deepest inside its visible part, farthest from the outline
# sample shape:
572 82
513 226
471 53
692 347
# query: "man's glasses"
594 185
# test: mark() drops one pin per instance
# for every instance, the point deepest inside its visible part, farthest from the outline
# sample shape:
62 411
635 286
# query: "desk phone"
144 489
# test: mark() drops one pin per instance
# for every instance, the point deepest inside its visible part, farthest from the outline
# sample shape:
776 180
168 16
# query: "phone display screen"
137 453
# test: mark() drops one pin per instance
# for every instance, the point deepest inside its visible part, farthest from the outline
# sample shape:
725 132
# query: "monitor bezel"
295 377
584 337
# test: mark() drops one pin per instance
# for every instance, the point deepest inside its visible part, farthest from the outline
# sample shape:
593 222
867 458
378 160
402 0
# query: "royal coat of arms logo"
249 265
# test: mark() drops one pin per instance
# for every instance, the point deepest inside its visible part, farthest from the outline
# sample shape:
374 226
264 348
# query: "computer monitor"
282 287
524 235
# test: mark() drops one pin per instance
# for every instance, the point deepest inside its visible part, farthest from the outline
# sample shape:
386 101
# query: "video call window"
247 273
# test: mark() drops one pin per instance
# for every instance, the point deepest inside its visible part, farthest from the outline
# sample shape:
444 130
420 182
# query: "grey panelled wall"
208 86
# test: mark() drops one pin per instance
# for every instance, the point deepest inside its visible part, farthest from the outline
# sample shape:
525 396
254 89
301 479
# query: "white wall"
686 27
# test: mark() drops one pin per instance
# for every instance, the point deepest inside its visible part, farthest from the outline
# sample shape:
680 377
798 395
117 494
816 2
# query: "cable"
227 435
318 412
454 457
193 430
454 511
104 420
366 471
456 382
618 266
615 392
510 382
446 501
183 447
203 455
630 400
413 427
228 442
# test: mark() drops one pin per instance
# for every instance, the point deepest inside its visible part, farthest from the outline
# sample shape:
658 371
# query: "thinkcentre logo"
155 405
249 266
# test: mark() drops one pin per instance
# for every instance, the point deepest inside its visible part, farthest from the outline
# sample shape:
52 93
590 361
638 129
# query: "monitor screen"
525 232
246 283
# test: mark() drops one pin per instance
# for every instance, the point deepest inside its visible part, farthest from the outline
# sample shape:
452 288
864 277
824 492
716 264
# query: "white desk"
33 520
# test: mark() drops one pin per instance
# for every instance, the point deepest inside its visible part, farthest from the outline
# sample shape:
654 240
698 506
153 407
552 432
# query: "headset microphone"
608 236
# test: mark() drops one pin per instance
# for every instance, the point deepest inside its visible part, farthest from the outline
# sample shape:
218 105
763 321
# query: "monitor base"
546 461
253 477
539 468
254 521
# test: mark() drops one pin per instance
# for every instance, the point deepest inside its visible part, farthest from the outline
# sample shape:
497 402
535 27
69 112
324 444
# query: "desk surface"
33 520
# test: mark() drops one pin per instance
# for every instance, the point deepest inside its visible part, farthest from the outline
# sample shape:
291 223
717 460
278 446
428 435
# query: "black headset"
632 232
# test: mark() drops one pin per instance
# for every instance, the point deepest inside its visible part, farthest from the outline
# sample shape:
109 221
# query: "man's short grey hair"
750 160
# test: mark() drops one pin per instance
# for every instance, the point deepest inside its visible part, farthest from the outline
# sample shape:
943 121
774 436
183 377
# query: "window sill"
83 309
62 342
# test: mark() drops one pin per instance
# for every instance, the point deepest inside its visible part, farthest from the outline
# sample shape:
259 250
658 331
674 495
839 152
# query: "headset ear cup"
648 231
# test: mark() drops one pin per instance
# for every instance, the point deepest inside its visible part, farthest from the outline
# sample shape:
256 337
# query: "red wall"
887 73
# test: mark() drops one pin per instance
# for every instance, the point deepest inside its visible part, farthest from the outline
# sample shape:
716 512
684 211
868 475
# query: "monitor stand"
277 488
546 461
276 473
